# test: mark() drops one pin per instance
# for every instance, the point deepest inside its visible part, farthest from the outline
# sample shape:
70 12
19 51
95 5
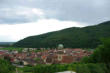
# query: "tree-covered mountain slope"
75 37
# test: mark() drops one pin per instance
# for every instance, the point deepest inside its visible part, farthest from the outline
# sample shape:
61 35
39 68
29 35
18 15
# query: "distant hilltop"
7 43
75 37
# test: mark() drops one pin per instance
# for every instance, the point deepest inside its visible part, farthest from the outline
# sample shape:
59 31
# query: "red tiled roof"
1 53
67 59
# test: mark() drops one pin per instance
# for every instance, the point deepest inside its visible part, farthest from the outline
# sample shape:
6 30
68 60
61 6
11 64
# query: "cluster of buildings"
29 56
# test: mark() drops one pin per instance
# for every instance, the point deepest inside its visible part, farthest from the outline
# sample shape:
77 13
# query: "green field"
12 48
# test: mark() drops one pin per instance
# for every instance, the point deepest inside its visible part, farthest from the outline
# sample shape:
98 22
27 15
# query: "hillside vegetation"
75 37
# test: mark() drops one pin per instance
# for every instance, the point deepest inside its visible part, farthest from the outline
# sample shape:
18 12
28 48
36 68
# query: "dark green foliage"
49 68
87 37
6 67
78 68
101 54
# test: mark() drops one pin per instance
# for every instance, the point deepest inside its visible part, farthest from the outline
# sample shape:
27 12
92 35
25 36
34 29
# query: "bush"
6 67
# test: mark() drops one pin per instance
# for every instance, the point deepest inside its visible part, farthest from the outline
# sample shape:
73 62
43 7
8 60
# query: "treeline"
6 44
76 67
75 37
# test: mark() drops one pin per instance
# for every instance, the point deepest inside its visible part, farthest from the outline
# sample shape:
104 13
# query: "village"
29 56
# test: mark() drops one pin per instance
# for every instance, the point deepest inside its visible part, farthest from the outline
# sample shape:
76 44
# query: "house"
2 53
29 62
25 50
14 52
67 59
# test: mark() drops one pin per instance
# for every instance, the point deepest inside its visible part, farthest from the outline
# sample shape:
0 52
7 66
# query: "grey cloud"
86 11
14 20
92 12
17 15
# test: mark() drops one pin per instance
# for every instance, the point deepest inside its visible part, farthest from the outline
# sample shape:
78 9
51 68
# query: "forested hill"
75 37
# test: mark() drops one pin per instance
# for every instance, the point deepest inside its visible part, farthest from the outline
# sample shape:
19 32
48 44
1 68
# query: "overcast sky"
22 18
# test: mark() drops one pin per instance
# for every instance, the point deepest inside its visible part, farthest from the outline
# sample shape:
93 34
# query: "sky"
22 18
